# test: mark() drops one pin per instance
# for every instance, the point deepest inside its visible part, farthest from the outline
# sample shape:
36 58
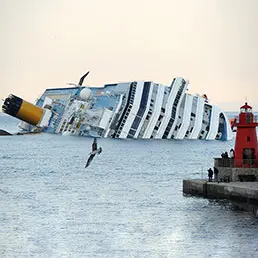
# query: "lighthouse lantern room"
246 149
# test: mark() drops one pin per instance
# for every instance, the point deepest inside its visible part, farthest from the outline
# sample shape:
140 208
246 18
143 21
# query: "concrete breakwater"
246 192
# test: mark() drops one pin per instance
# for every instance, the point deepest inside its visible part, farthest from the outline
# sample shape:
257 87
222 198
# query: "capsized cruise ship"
138 109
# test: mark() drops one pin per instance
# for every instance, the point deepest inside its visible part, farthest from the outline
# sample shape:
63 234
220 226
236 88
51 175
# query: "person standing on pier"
232 154
216 172
210 174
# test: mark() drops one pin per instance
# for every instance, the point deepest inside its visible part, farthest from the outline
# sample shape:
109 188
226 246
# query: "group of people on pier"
215 171
225 155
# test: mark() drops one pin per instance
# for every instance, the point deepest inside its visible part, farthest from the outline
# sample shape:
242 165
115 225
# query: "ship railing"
229 162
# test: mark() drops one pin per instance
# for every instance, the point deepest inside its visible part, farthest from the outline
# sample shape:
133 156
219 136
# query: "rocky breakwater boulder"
4 133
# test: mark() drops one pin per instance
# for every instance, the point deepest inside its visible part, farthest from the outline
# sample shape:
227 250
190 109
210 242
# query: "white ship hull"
137 109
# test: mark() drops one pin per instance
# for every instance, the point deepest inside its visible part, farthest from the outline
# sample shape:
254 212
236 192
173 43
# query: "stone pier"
239 191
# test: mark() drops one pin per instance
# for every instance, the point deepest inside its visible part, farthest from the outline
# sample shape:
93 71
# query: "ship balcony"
228 162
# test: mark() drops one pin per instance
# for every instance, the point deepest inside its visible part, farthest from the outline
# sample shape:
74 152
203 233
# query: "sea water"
127 203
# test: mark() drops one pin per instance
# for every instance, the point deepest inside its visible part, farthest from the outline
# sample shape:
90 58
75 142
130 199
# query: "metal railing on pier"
229 162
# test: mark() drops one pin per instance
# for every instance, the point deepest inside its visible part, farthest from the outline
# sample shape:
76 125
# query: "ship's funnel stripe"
22 109
30 113
12 105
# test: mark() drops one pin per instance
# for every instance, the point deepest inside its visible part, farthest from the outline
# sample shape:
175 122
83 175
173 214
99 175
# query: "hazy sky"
212 43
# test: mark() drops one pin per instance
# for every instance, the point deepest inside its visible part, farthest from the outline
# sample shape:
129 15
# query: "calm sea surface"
128 203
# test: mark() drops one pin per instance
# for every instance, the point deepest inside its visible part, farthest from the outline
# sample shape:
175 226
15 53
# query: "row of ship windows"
163 111
159 119
132 130
146 123
170 123
136 122
127 111
173 114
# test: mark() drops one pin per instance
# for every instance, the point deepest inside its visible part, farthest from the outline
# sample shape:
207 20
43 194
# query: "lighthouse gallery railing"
255 119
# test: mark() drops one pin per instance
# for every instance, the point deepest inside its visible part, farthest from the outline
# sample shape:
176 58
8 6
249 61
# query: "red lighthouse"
246 149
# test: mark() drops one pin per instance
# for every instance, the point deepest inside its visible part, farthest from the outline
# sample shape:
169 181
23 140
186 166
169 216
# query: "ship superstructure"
138 109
